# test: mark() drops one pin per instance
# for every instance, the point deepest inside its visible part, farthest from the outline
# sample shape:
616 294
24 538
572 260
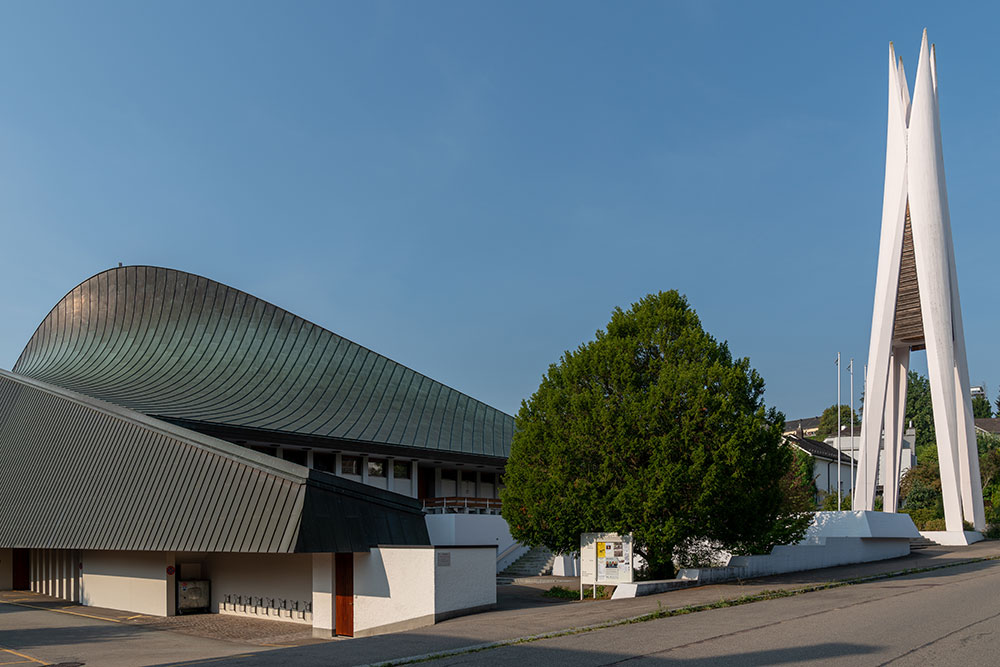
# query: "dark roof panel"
79 473
185 348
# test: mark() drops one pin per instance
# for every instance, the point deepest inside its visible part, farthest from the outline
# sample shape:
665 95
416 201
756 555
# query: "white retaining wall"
467 583
834 538
475 530
399 588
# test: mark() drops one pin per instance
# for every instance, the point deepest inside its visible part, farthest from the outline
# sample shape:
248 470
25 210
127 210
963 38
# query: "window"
325 461
376 467
449 474
401 470
468 476
487 477
264 449
350 465
299 456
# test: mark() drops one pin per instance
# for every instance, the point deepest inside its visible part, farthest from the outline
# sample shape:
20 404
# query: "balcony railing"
457 505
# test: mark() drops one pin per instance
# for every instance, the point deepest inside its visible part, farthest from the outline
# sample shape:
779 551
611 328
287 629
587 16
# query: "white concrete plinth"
567 565
859 524
833 538
953 538
639 588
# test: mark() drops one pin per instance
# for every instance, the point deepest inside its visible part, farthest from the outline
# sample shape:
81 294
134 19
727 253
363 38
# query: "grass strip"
680 611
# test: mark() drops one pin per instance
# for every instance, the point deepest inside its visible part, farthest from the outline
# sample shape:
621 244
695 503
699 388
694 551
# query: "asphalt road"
942 617
36 636
947 617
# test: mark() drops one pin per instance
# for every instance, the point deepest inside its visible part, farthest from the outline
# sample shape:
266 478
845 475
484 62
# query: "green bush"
829 503
924 517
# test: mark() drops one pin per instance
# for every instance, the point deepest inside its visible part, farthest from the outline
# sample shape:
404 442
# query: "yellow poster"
600 549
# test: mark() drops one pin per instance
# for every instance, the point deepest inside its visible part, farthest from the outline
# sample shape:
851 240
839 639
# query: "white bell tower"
917 307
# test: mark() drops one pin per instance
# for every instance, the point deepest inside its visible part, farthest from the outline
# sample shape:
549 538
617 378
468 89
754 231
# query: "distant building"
808 426
825 460
852 446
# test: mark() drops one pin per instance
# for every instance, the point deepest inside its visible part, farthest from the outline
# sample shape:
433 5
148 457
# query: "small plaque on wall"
444 559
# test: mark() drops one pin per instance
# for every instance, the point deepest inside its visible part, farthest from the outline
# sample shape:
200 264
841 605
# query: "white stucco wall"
393 589
467 582
127 580
324 595
271 577
6 569
398 588
829 484
474 529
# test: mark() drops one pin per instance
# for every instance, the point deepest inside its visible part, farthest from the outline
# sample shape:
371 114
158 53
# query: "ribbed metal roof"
183 347
79 473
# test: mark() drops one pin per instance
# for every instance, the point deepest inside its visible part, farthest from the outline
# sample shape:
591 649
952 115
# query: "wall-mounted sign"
605 558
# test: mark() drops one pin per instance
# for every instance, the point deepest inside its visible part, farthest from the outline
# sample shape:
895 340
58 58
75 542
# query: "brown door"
344 568
21 563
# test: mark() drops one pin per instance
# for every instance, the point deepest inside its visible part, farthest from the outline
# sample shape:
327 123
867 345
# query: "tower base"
953 538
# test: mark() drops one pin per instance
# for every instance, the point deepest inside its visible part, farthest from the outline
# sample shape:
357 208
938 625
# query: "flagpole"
838 433
864 439
850 367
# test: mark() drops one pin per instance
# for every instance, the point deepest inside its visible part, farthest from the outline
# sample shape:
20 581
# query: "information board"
605 558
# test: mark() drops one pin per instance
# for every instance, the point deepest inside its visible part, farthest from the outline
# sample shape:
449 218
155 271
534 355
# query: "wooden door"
344 569
21 563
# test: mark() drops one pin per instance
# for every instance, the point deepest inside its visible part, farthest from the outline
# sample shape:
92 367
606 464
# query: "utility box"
194 596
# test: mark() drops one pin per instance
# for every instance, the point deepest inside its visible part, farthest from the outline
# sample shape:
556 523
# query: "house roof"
195 352
988 424
80 473
791 425
817 449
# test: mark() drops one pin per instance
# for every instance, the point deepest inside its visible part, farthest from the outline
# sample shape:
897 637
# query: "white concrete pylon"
917 306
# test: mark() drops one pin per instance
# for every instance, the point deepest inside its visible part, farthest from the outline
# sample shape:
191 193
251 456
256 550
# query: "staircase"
922 543
535 563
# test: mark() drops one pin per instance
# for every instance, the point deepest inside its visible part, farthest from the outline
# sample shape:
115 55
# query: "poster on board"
605 558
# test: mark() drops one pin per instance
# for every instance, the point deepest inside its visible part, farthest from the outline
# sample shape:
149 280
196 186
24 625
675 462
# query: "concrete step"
922 543
537 561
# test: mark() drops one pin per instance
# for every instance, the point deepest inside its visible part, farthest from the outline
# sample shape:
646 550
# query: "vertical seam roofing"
76 472
183 347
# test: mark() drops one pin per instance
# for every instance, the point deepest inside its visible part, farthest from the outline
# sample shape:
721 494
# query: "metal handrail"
461 503
509 550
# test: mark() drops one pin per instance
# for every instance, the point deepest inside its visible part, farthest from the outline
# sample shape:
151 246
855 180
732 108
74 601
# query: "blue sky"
471 188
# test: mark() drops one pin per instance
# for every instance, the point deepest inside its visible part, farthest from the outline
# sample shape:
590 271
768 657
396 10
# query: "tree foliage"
981 407
920 487
798 485
828 421
653 429
920 413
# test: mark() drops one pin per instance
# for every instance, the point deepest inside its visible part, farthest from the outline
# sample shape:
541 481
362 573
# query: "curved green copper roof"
183 347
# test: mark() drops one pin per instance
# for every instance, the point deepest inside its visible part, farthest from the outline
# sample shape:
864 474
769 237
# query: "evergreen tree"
653 429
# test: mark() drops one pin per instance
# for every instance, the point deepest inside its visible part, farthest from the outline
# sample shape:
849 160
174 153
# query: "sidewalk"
523 612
